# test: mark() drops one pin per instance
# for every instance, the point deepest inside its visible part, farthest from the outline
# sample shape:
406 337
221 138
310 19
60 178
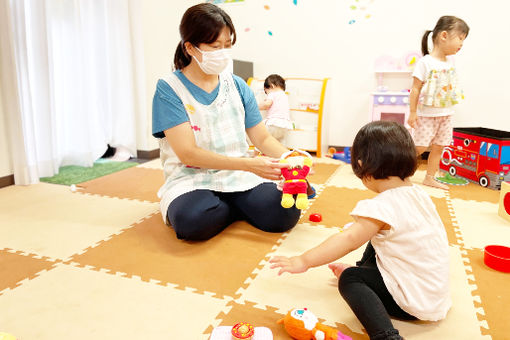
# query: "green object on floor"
73 174
448 179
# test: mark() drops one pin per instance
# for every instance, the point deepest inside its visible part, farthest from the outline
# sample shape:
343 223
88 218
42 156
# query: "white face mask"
214 62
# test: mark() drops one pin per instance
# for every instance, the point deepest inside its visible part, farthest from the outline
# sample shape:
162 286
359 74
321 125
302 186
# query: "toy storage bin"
480 155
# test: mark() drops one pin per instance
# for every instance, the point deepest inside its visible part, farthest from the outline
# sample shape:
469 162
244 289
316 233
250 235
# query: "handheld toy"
301 324
295 178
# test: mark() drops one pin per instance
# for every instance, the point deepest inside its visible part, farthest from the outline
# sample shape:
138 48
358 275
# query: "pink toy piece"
224 333
497 257
315 217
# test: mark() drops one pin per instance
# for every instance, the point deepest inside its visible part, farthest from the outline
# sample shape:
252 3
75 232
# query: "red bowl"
497 257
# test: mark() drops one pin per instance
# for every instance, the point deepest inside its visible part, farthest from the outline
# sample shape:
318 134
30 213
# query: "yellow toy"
5 336
295 178
301 324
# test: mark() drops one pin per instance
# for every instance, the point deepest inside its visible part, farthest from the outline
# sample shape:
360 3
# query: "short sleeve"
376 209
420 69
167 109
251 108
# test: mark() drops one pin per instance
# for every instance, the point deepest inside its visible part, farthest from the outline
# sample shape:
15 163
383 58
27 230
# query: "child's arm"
333 248
413 101
266 104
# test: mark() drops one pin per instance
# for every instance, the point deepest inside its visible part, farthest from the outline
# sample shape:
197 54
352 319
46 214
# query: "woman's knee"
278 220
199 222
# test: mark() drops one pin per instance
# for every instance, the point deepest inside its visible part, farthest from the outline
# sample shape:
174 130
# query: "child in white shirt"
404 271
435 92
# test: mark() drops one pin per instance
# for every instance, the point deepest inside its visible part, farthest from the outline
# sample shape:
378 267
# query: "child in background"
277 105
404 271
435 91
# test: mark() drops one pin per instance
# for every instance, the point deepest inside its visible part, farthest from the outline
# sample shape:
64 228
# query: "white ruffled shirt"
440 90
413 255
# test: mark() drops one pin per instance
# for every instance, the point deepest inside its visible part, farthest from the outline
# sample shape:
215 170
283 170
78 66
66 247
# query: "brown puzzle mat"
123 260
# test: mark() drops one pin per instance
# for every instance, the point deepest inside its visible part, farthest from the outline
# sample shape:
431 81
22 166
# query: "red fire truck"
480 155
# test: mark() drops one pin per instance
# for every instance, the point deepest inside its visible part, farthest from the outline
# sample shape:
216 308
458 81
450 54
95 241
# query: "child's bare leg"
338 268
433 167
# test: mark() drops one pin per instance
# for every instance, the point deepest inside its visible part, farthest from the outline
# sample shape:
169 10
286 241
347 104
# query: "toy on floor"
497 257
295 178
344 156
229 332
301 324
448 179
315 217
504 201
5 336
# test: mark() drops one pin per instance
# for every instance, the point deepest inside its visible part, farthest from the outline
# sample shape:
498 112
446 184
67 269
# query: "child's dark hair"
446 23
274 80
385 149
201 24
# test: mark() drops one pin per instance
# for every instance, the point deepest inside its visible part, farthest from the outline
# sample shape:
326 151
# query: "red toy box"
480 155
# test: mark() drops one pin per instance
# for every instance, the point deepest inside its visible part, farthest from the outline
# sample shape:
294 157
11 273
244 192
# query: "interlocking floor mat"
100 263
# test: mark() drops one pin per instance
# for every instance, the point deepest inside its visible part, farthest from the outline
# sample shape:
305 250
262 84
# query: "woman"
202 115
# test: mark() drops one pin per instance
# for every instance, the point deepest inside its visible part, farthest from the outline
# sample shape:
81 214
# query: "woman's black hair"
385 149
201 24
274 80
446 23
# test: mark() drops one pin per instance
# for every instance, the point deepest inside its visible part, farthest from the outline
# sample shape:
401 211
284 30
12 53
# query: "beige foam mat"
140 183
101 263
50 220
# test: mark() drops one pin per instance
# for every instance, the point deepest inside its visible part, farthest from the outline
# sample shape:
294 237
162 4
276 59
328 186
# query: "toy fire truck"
479 155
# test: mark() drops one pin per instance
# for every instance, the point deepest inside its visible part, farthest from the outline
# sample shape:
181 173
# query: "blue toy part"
344 156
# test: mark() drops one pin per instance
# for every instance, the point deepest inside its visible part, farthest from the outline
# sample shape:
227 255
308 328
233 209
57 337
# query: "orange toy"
295 178
301 324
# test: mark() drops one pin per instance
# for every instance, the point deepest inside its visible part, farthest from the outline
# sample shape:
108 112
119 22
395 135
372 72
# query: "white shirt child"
412 255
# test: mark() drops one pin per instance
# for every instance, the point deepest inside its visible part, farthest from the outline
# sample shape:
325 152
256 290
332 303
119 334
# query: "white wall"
6 168
160 34
315 39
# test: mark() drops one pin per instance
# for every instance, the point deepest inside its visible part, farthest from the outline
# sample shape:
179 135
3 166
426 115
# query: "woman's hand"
293 265
266 167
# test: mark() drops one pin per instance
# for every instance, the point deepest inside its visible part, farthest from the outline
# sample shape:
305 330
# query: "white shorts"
433 130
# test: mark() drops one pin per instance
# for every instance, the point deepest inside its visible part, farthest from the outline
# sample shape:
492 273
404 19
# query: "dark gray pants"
201 214
364 290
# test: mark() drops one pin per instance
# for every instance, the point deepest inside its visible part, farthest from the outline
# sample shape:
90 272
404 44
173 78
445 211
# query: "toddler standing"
435 91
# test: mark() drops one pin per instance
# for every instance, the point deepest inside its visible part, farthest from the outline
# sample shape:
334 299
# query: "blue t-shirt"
168 110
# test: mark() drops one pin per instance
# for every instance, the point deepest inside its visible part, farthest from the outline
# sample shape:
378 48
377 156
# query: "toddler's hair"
274 80
201 24
446 23
385 149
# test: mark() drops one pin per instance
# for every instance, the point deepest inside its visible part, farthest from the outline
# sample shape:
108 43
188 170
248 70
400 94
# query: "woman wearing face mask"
201 115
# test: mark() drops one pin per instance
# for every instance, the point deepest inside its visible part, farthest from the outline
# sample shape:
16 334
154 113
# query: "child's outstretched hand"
293 265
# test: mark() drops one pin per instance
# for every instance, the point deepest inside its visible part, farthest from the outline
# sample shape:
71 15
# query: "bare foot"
338 268
431 182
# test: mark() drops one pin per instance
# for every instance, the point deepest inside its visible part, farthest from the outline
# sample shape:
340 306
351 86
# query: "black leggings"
364 290
201 214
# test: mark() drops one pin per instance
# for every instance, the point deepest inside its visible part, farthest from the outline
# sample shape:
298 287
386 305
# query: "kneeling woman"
201 115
